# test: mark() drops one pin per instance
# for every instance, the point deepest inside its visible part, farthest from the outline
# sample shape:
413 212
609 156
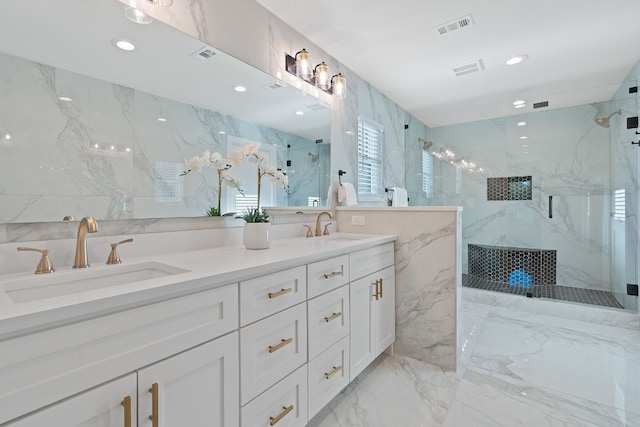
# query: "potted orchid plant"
222 166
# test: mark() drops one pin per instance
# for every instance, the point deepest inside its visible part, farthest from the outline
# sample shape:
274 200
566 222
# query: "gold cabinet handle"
285 410
273 348
332 317
280 293
154 405
332 275
377 294
335 370
126 402
380 288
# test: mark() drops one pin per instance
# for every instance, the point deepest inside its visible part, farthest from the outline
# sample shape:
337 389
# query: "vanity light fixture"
137 16
321 74
299 65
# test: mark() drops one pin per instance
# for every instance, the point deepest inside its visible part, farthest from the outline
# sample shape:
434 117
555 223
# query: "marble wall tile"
428 278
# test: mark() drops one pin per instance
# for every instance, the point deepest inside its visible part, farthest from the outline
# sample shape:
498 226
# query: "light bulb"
323 81
303 65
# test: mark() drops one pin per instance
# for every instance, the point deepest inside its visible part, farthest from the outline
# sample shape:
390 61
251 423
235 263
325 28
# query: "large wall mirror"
89 129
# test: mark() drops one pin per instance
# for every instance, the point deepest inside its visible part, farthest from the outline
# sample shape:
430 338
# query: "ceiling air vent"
317 106
457 24
204 53
275 85
470 68
541 104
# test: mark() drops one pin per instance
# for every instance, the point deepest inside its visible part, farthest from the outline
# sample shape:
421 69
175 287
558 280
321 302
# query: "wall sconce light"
299 65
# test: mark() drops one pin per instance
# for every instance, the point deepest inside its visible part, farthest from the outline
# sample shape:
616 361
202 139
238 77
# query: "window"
168 184
427 173
369 159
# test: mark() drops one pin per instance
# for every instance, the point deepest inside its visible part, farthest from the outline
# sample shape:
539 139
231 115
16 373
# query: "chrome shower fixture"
425 144
314 157
604 121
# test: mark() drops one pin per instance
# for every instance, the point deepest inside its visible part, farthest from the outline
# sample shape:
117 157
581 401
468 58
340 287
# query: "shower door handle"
550 206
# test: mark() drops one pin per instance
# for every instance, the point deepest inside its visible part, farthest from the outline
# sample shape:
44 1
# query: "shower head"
425 144
604 121
314 157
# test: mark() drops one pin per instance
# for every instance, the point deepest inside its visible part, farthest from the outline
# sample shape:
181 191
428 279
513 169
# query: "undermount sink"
345 237
35 288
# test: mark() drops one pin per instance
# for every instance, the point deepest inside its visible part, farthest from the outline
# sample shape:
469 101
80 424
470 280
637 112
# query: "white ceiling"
76 35
580 51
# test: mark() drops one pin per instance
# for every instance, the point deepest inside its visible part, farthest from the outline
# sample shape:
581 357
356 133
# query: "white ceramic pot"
256 235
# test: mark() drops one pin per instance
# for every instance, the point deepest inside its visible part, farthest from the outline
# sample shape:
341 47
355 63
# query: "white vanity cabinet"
271 349
195 388
103 406
372 300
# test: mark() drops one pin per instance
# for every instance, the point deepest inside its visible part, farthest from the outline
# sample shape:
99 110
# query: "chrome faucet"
318 231
87 225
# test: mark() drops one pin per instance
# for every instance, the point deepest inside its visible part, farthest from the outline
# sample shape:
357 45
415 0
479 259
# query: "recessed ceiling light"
524 145
299 113
161 119
65 98
124 44
222 132
137 16
349 132
523 137
240 88
113 147
516 59
518 102
522 123
519 105
96 146
128 149
7 137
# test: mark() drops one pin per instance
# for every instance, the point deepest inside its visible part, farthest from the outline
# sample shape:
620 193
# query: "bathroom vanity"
216 337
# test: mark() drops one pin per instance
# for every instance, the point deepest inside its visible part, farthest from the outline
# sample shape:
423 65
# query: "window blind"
427 174
619 201
369 158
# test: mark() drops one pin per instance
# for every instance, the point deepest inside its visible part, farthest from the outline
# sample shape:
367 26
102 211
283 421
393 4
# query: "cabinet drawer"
327 275
283 405
270 349
328 320
328 374
370 260
40 368
264 296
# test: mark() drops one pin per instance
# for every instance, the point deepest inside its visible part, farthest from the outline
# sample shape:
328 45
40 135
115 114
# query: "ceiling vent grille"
204 53
470 68
317 106
457 24
275 85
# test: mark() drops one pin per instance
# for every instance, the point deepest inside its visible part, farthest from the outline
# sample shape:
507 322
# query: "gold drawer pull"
285 410
280 293
332 275
332 317
335 370
154 405
377 294
284 342
127 411
380 288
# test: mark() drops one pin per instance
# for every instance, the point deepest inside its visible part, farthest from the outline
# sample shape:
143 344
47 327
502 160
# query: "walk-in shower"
549 206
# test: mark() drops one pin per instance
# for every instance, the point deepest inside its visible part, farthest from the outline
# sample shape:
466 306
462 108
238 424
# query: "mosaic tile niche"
516 266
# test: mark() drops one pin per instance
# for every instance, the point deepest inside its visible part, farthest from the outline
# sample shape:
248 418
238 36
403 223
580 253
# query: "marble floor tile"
519 369
394 391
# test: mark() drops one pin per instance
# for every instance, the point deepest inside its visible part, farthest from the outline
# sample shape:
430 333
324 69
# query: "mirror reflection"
89 129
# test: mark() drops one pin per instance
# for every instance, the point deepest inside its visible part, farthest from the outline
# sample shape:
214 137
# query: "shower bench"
497 263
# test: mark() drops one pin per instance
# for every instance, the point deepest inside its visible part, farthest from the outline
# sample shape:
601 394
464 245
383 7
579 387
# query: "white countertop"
207 269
